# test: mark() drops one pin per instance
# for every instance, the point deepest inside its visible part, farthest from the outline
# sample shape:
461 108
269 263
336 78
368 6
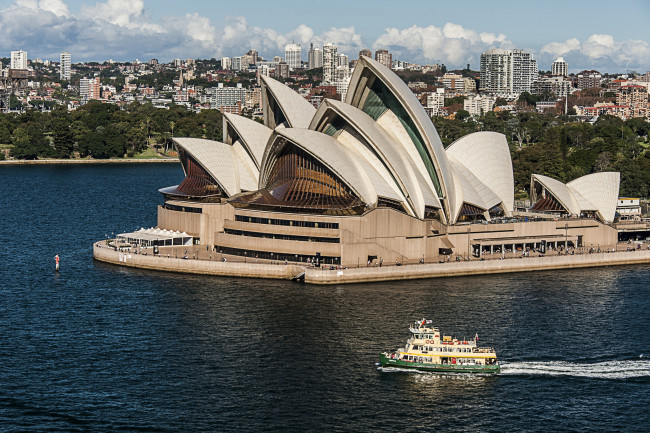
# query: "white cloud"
452 44
602 51
561 48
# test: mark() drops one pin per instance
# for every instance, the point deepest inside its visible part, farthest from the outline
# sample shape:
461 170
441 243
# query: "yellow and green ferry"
427 350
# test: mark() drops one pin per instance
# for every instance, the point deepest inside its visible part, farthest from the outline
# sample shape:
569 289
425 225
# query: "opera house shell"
367 179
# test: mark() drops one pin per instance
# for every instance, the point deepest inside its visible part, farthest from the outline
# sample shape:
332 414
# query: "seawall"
474 267
362 275
205 267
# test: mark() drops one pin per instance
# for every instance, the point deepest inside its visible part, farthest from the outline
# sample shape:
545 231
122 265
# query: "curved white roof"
379 177
595 192
232 168
409 180
216 158
560 192
296 109
331 153
474 191
487 157
254 135
600 190
416 112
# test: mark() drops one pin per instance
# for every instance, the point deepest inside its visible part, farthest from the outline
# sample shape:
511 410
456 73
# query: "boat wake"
599 370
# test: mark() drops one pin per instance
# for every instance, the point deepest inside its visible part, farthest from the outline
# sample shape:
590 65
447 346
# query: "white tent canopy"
155 236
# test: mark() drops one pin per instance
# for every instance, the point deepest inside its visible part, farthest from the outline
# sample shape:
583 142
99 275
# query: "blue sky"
608 36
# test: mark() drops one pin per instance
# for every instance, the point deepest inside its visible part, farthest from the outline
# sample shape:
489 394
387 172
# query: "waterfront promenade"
201 261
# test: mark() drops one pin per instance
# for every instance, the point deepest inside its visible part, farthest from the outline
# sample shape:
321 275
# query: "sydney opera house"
368 179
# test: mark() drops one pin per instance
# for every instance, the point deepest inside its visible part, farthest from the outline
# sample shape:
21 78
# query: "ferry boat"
427 350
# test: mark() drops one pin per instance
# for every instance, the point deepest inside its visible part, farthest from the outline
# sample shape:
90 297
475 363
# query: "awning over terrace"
153 236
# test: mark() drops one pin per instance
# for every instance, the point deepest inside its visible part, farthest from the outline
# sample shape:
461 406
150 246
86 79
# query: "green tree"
63 138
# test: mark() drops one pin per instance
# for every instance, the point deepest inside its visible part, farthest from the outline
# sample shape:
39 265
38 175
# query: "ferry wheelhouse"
428 350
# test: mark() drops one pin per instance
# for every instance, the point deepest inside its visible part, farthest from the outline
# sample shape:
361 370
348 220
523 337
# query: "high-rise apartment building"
507 72
293 55
89 89
560 67
64 66
18 60
330 57
225 63
384 57
315 59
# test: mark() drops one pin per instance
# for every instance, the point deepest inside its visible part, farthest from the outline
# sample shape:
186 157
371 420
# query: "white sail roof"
486 156
358 88
230 168
254 135
297 110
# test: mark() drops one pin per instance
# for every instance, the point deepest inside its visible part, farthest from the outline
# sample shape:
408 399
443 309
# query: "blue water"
103 348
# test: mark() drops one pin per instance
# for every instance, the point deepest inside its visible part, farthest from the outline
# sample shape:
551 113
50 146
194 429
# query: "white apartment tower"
225 63
293 55
315 59
507 72
330 59
18 60
560 67
64 66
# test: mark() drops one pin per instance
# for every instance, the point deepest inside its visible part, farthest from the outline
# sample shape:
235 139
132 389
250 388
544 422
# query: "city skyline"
124 30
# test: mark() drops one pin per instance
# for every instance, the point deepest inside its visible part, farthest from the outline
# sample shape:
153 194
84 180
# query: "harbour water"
102 348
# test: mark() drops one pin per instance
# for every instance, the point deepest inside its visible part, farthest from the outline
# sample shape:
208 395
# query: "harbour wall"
363 274
474 267
205 267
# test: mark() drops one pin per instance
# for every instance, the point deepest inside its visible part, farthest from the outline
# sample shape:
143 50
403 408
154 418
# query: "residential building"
589 79
253 55
435 101
226 63
453 81
635 97
228 96
18 60
282 70
236 63
330 56
477 105
507 72
64 66
89 89
293 55
315 59
560 67
384 57
557 84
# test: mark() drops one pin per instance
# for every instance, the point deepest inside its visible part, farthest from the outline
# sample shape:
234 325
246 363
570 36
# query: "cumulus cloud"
601 51
452 43
237 36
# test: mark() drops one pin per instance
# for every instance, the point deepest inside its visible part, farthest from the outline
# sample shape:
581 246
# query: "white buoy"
56 259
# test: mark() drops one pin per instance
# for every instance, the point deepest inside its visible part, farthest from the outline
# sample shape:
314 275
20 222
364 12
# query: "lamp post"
469 231
245 252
